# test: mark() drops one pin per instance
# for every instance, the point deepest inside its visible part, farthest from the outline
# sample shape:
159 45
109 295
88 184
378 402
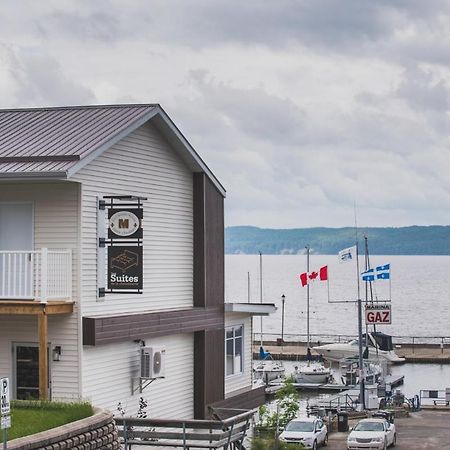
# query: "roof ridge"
99 106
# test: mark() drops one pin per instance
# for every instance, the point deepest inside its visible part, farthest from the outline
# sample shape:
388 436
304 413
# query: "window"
234 350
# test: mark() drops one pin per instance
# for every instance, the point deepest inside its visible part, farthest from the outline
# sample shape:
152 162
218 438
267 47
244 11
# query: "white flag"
347 254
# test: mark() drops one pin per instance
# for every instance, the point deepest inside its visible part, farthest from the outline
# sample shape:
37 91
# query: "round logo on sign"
124 223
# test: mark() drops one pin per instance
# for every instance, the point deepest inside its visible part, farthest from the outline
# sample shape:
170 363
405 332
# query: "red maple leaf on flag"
321 275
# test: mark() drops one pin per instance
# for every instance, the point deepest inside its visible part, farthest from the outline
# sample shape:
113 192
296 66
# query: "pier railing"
321 339
228 433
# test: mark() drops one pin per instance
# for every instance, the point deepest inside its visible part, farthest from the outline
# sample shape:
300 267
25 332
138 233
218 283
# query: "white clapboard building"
87 309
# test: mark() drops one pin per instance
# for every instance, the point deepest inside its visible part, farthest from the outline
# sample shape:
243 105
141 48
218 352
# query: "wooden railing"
36 275
187 434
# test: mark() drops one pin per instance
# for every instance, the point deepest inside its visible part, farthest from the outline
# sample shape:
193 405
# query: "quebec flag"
379 273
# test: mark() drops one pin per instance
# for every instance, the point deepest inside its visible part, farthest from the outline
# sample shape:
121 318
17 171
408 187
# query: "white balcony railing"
36 275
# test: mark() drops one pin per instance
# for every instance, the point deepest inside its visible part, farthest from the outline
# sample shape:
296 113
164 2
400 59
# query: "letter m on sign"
124 223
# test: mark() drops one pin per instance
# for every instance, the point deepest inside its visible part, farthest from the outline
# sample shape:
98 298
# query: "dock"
413 353
389 380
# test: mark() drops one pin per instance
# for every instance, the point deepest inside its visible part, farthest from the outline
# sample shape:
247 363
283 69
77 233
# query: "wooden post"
43 355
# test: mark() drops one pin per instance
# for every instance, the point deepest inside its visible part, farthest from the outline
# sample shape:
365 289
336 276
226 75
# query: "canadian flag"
321 275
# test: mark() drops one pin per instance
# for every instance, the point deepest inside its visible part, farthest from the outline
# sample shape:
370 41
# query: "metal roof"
57 142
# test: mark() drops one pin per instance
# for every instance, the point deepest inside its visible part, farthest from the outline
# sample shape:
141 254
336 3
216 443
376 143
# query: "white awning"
254 309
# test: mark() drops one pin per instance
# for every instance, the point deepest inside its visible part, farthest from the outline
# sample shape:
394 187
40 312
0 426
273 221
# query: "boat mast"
260 294
307 299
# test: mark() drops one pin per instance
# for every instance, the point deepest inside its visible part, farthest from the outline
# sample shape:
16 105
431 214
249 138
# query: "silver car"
310 431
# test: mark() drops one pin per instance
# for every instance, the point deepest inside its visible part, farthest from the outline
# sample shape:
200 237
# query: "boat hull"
268 371
318 376
338 352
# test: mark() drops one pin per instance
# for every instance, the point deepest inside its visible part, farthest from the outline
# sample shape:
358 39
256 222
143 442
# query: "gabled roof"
57 142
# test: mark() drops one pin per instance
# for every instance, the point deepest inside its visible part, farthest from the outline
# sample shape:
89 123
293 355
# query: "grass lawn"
29 417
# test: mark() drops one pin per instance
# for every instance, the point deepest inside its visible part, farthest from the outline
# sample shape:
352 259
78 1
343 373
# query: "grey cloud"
39 81
423 92
203 23
93 25
253 111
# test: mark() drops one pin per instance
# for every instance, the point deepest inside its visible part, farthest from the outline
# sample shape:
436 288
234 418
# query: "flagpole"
361 366
307 298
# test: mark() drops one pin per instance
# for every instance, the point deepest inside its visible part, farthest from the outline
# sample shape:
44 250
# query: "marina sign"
378 315
5 405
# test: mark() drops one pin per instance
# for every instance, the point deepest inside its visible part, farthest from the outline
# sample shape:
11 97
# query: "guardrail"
228 433
319 339
36 275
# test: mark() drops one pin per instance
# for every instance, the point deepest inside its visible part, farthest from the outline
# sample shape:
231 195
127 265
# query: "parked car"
310 431
372 433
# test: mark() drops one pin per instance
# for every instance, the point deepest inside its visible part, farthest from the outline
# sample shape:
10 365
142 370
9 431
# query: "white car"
310 431
372 433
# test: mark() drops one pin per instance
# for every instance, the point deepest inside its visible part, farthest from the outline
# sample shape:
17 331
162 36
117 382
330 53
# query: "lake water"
419 290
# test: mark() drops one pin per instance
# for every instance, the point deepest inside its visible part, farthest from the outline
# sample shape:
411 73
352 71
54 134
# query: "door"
16 234
16 226
26 371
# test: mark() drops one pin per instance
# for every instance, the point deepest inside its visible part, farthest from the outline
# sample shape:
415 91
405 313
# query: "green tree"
287 407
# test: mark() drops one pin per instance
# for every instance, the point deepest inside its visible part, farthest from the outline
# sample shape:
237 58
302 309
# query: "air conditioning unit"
152 363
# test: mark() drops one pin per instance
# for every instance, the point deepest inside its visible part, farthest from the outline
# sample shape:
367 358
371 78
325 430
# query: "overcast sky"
301 108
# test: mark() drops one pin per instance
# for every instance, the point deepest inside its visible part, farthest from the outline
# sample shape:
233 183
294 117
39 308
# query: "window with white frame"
234 349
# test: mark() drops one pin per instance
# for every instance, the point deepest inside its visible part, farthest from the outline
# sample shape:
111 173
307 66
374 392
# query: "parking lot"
426 429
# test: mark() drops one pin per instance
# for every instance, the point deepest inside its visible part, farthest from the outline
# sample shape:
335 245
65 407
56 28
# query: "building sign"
120 245
5 405
125 223
378 315
125 268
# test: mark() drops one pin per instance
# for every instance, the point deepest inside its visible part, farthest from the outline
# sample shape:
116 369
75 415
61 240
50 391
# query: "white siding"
143 164
242 380
56 207
109 372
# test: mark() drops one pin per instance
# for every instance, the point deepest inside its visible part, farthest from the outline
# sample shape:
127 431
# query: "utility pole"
283 298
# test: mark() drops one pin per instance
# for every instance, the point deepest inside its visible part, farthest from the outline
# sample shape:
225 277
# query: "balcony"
40 275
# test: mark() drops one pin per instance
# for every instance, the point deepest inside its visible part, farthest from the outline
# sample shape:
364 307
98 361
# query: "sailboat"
377 344
314 372
266 369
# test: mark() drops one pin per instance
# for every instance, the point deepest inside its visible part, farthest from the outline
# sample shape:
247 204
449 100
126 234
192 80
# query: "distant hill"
414 240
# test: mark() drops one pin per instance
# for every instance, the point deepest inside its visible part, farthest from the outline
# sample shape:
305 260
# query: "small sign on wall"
125 268
378 315
125 223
